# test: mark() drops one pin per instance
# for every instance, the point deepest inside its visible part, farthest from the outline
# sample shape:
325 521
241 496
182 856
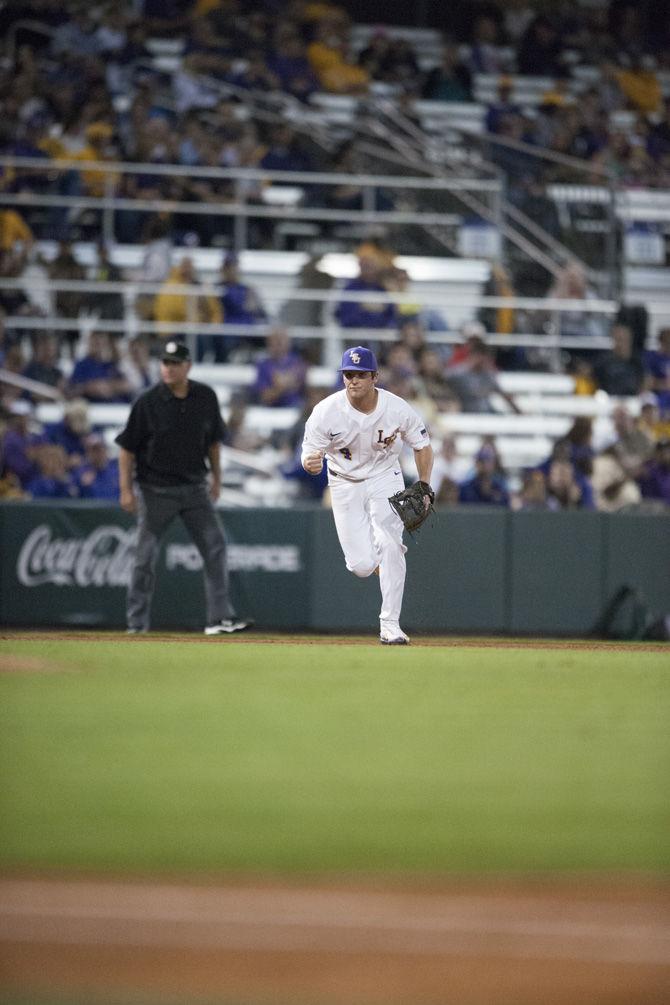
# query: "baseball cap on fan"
175 352
359 358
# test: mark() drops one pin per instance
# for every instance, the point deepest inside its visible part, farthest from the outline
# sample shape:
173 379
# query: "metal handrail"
245 174
227 209
429 297
299 332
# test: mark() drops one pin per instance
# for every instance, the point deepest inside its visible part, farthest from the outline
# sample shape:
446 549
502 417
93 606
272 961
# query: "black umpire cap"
175 352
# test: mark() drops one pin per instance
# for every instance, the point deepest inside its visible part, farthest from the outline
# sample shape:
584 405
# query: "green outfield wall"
474 570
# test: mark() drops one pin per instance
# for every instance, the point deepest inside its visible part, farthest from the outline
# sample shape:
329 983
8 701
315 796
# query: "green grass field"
170 755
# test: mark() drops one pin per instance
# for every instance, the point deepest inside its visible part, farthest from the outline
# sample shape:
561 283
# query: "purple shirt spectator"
281 375
655 479
16 446
357 314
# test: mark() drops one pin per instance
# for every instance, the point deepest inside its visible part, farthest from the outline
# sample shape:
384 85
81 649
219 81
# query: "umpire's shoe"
391 634
227 626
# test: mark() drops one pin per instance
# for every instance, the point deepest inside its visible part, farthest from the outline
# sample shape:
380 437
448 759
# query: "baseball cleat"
227 626
393 635
136 631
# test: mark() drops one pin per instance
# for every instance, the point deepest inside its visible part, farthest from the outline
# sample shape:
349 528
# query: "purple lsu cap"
359 358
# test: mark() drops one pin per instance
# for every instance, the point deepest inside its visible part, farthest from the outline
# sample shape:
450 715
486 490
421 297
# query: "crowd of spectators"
68 458
89 89
136 110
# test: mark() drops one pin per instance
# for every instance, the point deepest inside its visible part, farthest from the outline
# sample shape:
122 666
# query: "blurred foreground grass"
313 759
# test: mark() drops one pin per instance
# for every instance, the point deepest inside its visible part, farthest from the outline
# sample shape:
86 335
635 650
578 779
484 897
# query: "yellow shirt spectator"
13 230
177 308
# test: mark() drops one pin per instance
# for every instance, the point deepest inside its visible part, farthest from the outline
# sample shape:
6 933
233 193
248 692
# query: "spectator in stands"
308 313
108 305
564 487
472 334
362 314
451 80
77 35
239 434
255 75
54 479
98 477
240 305
281 375
176 308
68 303
289 63
474 379
579 443
71 431
485 487
581 370
43 365
448 466
502 320
656 364
658 140
540 52
626 26
13 262
571 284
639 85
16 237
613 488
654 479
332 62
111 33
156 260
398 362
373 55
412 334
17 444
138 367
98 148
285 151
435 382
632 445
13 363
348 194
397 280
503 107
534 494
650 421
390 60
619 370
96 376
485 49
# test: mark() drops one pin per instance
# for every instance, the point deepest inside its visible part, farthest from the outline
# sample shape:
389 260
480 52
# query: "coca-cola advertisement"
101 558
71 564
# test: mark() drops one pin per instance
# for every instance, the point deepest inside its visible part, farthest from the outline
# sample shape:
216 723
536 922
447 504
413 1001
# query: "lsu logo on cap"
355 357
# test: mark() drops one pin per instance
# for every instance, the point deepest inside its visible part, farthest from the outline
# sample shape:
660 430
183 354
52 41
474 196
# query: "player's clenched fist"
313 462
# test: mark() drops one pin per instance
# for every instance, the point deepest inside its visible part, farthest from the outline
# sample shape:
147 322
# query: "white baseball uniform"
362 453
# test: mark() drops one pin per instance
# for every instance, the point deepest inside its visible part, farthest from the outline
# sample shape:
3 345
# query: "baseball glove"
411 507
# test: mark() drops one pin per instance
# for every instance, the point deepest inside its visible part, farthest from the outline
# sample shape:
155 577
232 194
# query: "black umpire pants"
157 508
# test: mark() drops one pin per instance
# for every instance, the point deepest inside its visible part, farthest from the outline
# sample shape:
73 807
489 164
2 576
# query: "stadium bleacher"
437 134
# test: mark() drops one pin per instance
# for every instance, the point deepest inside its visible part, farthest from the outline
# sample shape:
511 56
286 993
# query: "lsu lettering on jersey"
358 445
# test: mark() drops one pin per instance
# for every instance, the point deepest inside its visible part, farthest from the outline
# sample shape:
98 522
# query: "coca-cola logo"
104 558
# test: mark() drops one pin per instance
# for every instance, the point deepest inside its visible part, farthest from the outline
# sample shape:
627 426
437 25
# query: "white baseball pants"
370 534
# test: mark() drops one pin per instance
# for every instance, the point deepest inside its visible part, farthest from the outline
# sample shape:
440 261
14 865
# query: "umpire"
170 443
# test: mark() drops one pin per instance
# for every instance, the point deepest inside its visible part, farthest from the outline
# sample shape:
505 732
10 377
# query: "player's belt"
345 478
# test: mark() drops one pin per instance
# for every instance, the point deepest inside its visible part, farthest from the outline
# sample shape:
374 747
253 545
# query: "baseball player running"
360 432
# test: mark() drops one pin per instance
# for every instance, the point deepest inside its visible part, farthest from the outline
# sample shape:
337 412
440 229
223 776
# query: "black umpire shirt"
170 437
